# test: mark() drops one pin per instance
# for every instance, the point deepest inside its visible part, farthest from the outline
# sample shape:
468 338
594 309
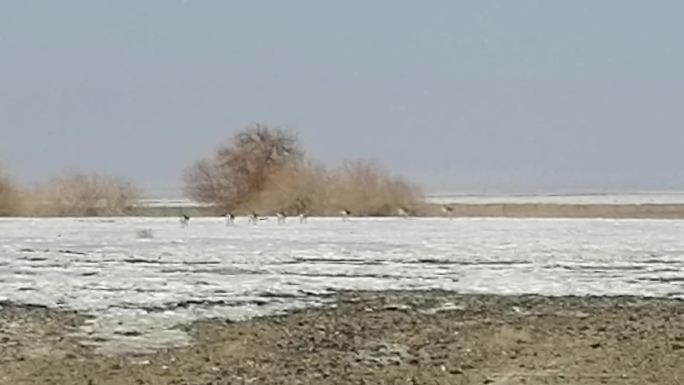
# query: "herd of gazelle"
281 216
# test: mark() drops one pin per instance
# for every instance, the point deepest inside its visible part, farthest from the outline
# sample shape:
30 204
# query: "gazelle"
303 218
402 212
281 217
253 218
230 219
448 211
345 214
184 220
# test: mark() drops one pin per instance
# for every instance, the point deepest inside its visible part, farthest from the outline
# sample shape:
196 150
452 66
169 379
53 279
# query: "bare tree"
239 170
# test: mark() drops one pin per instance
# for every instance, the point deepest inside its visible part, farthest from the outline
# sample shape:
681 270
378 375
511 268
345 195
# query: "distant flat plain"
649 205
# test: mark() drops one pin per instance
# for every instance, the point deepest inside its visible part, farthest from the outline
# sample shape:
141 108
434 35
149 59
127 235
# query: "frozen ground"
140 289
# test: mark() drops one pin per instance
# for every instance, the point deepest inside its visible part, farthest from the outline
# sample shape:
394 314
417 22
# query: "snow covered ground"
138 289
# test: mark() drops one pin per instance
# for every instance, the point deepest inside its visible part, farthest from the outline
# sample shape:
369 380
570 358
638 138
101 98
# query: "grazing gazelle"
403 212
281 217
184 220
230 219
345 214
253 218
448 211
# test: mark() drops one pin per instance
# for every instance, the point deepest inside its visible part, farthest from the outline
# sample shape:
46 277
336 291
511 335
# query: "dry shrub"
263 169
239 170
208 181
88 194
297 188
366 188
10 196
363 187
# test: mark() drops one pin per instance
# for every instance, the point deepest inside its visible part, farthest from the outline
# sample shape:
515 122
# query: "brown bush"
262 169
10 196
363 187
366 188
87 194
238 171
297 188
207 181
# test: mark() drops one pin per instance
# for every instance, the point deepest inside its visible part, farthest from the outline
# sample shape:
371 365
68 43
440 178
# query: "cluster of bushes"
261 169
76 194
265 169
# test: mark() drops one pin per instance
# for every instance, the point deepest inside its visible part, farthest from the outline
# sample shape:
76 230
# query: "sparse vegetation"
261 168
10 197
264 169
87 194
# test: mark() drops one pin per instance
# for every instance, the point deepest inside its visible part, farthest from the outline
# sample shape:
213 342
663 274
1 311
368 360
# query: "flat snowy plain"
139 290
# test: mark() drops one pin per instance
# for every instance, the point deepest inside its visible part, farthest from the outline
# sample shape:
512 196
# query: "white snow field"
139 289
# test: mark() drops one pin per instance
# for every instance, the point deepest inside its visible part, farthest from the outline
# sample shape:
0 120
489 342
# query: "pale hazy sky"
477 96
